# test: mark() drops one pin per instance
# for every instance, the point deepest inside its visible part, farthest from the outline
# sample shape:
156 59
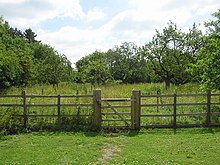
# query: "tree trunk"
167 82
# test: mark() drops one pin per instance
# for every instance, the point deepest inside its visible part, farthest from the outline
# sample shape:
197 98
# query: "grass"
108 91
50 148
152 146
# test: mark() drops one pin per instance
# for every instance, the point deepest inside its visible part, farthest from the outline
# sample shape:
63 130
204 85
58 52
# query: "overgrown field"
11 124
152 146
109 90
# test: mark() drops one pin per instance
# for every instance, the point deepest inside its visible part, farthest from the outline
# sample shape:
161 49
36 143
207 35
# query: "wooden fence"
139 111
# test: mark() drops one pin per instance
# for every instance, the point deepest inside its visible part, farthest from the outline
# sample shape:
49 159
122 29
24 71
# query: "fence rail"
137 114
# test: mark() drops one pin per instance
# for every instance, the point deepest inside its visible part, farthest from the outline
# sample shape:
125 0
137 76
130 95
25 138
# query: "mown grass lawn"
153 146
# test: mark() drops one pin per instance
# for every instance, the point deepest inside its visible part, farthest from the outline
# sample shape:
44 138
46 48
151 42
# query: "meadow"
43 144
151 146
76 122
108 90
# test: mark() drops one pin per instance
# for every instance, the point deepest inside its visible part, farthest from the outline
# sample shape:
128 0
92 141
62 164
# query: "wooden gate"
116 112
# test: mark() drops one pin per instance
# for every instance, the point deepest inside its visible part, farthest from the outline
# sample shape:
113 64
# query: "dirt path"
108 152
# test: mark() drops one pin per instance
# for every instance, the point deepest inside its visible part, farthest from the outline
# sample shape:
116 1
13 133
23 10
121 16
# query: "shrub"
10 123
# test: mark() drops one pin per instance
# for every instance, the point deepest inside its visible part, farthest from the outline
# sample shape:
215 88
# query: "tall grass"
108 91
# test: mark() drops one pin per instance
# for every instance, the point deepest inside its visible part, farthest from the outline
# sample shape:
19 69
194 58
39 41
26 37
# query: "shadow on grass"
127 133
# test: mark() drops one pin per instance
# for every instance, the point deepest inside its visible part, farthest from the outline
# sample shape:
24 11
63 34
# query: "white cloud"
75 42
31 13
136 24
95 14
12 1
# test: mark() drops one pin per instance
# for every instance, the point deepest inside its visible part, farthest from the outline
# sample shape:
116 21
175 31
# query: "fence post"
25 108
208 119
174 111
97 108
58 111
135 109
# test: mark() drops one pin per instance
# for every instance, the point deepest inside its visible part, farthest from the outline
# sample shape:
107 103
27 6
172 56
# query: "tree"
207 67
24 61
125 63
93 69
50 67
169 54
16 59
30 36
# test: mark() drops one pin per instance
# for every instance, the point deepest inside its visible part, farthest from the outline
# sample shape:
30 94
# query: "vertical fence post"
174 111
25 108
58 111
97 108
135 109
208 119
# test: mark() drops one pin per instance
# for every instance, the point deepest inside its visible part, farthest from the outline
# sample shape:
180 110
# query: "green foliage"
23 60
92 69
171 52
30 36
126 65
173 56
10 123
121 64
207 67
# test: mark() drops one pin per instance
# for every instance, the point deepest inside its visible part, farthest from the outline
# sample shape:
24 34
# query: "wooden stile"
97 108
135 109
25 109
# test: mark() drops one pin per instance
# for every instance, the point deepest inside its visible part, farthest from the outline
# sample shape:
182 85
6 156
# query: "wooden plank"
58 111
174 110
136 109
10 96
215 113
192 114
40 96
25 113
171 126
208 118
190 95
77 105
157 126
215 94
177 104
189 125
170 115
121 113
178 95
117 113
190 104
157 115
11 105
114 120
76 96
155 105
215 103
97 108
117 106
61 105
41 115
116 99
61 115
156 95
41 105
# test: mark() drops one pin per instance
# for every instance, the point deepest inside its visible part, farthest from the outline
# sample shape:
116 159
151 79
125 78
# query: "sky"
77 28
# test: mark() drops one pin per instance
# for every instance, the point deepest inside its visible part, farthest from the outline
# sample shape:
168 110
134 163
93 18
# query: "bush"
10 123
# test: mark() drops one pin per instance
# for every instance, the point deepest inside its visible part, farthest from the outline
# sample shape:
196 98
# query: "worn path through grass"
153 146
